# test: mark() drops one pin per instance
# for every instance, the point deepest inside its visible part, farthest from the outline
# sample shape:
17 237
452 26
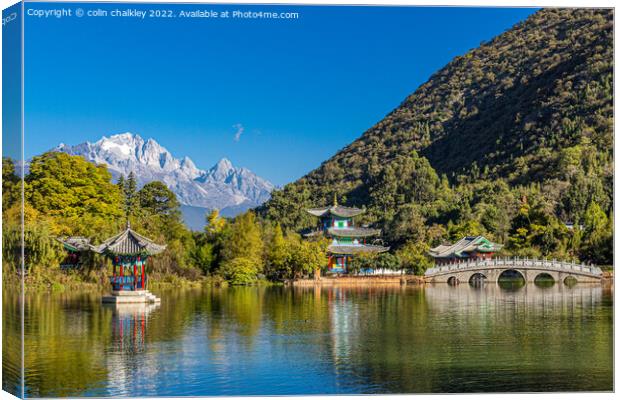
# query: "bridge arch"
511 279
477 279
544 279
511 273
528 269
570 281
453 281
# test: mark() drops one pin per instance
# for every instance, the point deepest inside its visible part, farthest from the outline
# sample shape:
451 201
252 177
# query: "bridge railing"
515 262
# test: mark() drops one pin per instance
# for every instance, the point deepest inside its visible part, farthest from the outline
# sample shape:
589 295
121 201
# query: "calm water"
305 341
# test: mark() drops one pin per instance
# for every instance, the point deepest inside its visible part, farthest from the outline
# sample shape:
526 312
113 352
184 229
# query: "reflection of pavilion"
129 328
343 317
129 323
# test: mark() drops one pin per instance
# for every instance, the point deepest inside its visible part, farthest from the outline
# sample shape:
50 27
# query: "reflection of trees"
64 344
296 310
69 338
447 339
11 343
353 339
383 335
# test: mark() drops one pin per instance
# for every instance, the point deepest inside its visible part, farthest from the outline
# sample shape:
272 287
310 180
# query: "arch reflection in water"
582 297
570 281
544 280
477 280
511 279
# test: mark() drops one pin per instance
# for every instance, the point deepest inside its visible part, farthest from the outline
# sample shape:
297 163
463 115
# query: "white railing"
516 262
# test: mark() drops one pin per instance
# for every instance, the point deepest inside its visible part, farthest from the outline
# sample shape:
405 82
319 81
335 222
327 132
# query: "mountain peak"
224 165
220 187
125 136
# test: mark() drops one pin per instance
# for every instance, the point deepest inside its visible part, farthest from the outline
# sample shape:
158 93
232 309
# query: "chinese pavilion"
129 252
468 248
336 222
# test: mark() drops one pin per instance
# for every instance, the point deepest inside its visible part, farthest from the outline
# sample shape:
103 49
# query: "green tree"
203 256
597 244
239 270
11 190
215 223
362 262
388 262
243 239
242 243
306 257
157 199
131 195
414 257
277 253
69 187
407 224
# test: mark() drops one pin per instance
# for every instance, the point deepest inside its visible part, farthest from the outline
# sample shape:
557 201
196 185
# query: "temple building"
77 248
336 223
129 252
468 248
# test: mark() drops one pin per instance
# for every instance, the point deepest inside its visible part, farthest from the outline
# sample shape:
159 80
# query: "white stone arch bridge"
530 269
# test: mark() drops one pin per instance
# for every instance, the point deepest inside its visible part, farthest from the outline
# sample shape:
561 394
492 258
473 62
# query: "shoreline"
362 280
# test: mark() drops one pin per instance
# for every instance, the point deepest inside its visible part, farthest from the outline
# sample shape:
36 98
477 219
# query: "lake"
282 340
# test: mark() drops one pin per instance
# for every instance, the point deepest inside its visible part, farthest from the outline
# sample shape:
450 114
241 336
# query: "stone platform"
128 297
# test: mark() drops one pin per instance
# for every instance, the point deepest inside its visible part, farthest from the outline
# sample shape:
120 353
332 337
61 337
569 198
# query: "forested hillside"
512 140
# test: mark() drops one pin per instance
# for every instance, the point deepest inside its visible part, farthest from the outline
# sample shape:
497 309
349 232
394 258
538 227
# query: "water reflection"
129 328
511 279
384 339
129 323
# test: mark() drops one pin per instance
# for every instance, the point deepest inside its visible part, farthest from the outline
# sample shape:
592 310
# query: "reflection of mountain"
223 186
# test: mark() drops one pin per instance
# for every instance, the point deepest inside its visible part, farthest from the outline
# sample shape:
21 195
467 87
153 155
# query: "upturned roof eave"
352 250
111 246
337 210
354 232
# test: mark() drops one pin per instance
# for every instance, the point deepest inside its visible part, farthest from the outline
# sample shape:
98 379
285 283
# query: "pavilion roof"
355 249
75 243
353 232
463 247
337 210
129 242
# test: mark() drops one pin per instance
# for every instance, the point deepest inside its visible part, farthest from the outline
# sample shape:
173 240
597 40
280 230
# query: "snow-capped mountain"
223 186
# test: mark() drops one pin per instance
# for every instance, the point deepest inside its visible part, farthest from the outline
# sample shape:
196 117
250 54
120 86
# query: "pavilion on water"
468 248
129 252
336 223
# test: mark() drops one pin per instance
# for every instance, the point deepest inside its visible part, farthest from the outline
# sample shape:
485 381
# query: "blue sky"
299 89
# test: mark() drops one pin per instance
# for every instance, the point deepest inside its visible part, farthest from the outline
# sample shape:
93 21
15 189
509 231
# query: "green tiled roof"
464 247
75 243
